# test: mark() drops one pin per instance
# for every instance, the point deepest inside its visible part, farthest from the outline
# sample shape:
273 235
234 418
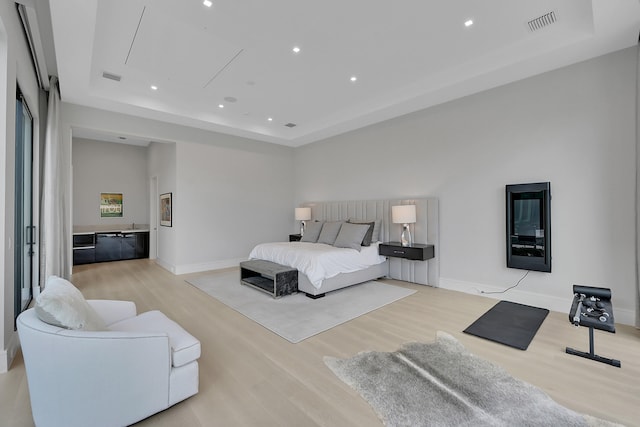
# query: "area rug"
442 384
296 317
509 323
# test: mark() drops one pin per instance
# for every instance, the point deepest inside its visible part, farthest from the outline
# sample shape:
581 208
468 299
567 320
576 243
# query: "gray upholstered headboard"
425 230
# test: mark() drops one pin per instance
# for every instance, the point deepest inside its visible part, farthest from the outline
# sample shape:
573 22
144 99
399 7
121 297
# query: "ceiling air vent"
111 76
290 125
542 21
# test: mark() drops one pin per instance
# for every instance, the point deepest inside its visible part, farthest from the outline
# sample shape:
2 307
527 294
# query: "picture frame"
166 210
111 205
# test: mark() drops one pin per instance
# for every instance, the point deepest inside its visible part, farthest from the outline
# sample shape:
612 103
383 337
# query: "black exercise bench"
592 308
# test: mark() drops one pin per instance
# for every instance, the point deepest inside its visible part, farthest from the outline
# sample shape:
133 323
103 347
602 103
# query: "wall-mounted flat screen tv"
529 226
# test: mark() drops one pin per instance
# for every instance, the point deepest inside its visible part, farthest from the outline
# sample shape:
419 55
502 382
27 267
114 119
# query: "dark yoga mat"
509 323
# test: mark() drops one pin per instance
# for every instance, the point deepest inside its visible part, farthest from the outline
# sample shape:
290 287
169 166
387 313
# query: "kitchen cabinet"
142 245
128 247
84 248
110 246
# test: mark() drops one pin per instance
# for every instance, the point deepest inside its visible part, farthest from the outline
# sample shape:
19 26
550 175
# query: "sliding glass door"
25 230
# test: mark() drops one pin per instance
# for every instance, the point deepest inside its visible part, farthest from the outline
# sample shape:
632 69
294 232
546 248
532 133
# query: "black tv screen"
529 226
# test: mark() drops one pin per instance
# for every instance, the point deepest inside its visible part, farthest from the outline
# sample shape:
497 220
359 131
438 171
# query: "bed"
425 230
323 267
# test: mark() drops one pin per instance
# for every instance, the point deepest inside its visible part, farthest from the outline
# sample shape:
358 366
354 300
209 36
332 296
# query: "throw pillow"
62 304
312 231
375 235
329 232
351 235
366 241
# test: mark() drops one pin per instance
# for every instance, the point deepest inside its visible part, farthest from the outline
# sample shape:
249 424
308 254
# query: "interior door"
25 230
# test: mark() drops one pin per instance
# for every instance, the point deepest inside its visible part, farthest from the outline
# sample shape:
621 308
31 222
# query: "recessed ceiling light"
270 119
220 106
296 49
154 87
353 78
468 23
207 3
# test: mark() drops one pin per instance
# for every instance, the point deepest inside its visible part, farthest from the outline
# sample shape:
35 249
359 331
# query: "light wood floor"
252 377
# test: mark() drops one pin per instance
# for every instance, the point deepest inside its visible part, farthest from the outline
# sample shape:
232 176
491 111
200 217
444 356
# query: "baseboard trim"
4 362
554 303
7 355
169 267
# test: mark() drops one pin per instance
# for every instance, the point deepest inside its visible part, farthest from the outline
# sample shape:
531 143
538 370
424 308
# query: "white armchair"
137 366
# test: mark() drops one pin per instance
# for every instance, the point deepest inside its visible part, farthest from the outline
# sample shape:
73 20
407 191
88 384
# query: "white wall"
15 66
574 127
228 192
106 167
162 166
228 200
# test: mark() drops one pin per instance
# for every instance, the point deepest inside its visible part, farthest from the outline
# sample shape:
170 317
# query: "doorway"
153 217
25 230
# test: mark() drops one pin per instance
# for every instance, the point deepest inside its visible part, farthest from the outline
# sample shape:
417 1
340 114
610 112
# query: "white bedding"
317 260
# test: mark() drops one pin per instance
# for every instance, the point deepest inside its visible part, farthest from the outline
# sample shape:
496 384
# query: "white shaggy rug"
296 317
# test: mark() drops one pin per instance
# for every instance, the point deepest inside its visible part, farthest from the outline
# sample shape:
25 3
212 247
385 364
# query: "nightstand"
294 237
415 252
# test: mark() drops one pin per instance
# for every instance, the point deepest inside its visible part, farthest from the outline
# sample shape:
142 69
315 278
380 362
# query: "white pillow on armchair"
62 304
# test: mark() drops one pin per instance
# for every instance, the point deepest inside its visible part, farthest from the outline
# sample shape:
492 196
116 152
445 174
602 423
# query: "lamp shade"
404 214
303 214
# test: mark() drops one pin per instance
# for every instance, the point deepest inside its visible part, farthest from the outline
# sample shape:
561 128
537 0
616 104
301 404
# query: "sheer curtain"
54 238
638 185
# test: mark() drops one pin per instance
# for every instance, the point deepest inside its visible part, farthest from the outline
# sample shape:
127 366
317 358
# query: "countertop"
111 228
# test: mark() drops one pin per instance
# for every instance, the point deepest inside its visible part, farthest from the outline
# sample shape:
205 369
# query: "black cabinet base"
111 247
84 256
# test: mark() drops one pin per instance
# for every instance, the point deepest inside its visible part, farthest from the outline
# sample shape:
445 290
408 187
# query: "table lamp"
405 215
302 215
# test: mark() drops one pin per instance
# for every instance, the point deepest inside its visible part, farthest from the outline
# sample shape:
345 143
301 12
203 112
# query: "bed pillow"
329 232
351 235
312 231
62 304
375 235
366 241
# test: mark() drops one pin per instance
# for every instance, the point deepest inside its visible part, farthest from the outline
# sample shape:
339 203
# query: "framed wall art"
110 205
165 209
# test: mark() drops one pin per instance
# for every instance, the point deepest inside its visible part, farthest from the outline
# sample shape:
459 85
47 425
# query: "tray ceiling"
238 54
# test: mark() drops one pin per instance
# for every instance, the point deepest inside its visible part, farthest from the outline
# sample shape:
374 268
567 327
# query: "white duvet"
317 260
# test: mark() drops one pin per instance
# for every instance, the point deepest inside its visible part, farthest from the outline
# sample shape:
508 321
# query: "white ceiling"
407 55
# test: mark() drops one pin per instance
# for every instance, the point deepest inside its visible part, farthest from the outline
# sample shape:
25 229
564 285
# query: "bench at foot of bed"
275 279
